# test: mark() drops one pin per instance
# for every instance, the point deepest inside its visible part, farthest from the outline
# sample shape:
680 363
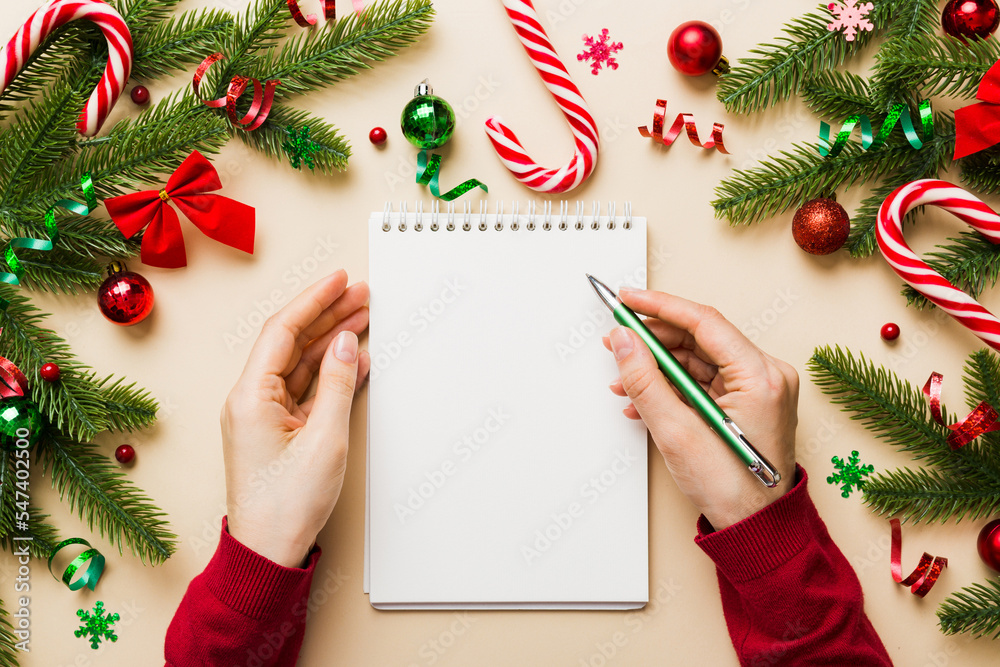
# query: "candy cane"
889 232
56 13
546 61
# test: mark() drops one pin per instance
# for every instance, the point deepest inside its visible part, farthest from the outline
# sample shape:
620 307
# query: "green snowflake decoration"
300 148
97 625
850 473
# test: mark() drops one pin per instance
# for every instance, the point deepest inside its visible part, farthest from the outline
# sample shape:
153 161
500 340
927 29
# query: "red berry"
377 136
890 331
140 95
49 372
125 454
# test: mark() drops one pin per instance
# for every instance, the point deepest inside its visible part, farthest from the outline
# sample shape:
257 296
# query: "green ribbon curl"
90 576
429 171
899 112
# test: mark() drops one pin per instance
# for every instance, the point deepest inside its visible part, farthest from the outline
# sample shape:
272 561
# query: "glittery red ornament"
970 18
695 48
49 372
377 136
140 95
125 454
821 226
890 331
125 298
988 544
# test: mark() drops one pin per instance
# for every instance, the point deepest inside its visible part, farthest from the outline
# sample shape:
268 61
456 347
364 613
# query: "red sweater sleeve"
788 594
243 609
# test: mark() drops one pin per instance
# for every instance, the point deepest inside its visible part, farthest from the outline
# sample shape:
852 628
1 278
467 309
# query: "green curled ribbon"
14 263
90 576
899 112
429 171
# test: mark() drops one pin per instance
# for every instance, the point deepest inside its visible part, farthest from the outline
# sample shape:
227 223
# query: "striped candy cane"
546 61
56 13
915 272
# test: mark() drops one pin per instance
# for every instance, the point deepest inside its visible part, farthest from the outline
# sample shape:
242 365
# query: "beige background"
193 347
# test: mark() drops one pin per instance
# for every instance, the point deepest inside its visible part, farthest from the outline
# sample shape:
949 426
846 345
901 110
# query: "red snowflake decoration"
600 51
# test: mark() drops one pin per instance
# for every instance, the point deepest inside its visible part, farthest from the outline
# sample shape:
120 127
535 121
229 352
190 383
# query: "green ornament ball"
17 414
428 121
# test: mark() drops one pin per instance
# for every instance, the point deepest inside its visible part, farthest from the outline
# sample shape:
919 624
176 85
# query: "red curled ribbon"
977 126
12 381
263 96
926 574
685 121
329 12
221 218
983 419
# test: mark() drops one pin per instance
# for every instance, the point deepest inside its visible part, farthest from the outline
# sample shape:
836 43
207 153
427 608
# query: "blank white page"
502 472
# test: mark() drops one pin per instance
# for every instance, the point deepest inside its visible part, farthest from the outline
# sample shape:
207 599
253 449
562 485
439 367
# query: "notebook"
501 471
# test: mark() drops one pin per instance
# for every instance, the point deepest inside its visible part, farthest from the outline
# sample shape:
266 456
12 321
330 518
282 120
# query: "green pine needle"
974 609
969 262
937 65
332 149
837 94
44 537
129 408
8 642
104 498
173 45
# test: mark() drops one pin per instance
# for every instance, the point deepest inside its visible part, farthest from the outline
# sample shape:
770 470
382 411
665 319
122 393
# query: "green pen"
689 388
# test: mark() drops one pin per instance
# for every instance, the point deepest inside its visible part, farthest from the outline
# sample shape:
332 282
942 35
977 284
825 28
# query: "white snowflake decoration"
850 17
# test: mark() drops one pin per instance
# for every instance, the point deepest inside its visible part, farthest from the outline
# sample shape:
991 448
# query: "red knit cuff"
763 541
251 584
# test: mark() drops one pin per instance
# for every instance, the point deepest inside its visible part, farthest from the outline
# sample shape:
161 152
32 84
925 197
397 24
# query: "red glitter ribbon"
682 121
329 12
12 381
923 578
263 96
983 419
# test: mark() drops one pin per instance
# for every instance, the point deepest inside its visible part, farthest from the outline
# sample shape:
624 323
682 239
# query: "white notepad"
501 471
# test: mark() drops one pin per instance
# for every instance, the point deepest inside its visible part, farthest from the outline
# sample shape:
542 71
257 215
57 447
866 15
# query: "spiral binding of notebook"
467 220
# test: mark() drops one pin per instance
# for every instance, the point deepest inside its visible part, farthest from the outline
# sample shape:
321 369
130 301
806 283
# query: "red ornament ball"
377 136
125 298
125 454
821 226
140 95
695 48
988 544
49 372
970 18
890 331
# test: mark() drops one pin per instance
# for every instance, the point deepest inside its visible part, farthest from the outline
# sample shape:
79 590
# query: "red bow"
977 126
221 218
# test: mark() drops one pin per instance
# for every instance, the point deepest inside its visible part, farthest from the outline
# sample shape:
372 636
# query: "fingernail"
621 343
345 347
623 290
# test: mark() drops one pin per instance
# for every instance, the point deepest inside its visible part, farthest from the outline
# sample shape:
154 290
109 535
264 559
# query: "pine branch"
333 149
65 50
74 405
44 537
911 20
59 271
757 83
129 408
981 171
937 65
257 29
8 642
982 378
966 482
319 58
173 45
144 14
969 262
8 493
837 94
974 609
103 497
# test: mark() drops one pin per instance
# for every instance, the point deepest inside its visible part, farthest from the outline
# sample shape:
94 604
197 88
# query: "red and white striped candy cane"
545 59
915 272
56 13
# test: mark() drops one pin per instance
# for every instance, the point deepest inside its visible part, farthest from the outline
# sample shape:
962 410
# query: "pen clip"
761 468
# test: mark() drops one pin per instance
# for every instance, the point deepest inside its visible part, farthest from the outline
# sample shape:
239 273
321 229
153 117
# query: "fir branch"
936 65
59 271
982 378
129 408
911 19
144 14
80 236
974 609
837 94
333 150
8 493
967 482
257 29
981 171
318 58
103 497
173 45
73 405
969 262
757 83
8 642
62 52
44 536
